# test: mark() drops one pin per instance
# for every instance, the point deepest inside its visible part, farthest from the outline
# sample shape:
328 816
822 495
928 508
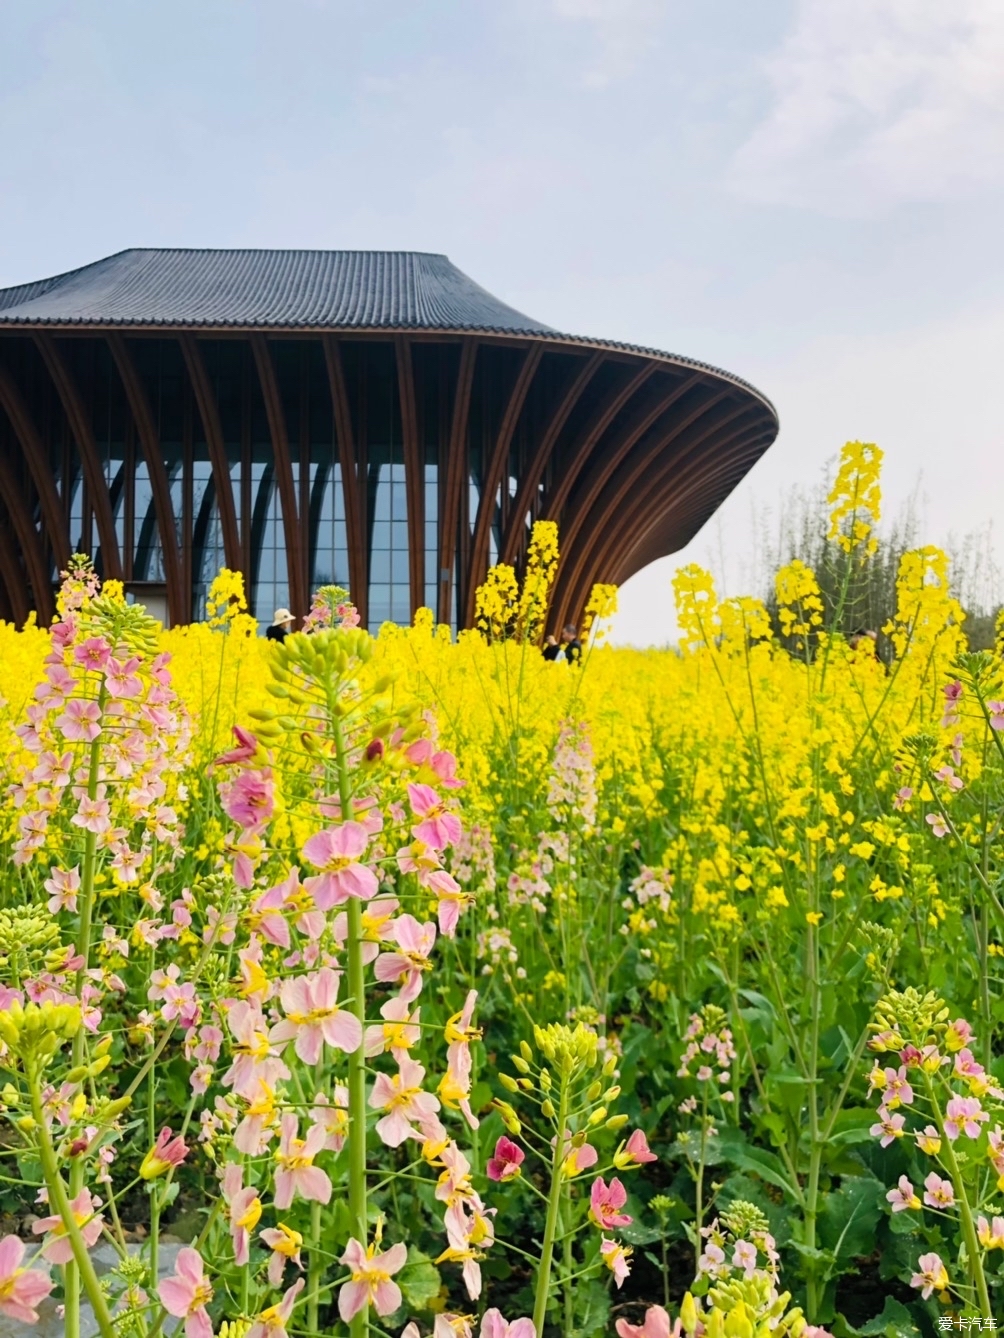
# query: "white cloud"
881 102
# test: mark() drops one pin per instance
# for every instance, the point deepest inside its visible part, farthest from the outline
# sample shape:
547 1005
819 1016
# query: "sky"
809 193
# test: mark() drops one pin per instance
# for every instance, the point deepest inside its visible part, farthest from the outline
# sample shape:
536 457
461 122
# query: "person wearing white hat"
282 625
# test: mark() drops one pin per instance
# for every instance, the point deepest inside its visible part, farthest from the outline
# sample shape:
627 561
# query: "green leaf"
895 1321
733 1148
419 1280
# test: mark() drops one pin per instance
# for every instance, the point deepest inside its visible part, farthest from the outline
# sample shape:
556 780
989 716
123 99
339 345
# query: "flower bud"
103 1046
616 1122
593 1091
547 1108
544 1079
520 1064
77 1074
525 1050
597 1117
737 1323
99 1066
688 1314
509 1083
612 1094
26 1123
526 1084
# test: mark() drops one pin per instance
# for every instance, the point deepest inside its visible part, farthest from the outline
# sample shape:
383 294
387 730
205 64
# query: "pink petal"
352 1298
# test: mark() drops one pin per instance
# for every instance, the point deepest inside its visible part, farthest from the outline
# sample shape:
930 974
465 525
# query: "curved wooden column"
351 494
414 481
592 487
139 407
31 544
534 471
616 536
480 540
211 425
90 463
590 552
620 532
647 543
10 573
41 473
295 565
455 471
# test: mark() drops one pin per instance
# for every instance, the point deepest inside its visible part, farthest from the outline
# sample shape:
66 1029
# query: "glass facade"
297 442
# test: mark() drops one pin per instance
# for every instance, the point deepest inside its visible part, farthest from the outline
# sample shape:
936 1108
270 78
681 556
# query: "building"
374 419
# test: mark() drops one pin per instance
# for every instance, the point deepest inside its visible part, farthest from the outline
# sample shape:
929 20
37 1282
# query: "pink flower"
655 1325
932 1277
397 1033
494 1326
616 1259
506 1160
336 851
744 1257
439 827
63 886
948 776
271 1323
996 712
56 1247
604 1202
93 814
370 1283
246 750
635 1152
285 1244
121 679
165 1154
958 1034
93 653
187 1293
406 1104
256 1062
904 1197
580 1159
406 966
249 799
964 1114
902 797
314 1019
21 1289
296 1173
990 1237
898 1091
80 721
890 1127
938 1193
243 1209
937 823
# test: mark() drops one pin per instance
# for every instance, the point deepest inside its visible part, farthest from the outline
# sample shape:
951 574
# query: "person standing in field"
282 625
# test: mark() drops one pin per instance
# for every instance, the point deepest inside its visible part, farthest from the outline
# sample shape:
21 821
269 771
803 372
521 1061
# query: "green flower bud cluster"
748 1308
126 627
35 1032
909 1017
744 1220
571 1050
26 936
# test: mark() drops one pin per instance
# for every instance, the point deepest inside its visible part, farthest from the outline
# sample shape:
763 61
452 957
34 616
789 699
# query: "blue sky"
808 193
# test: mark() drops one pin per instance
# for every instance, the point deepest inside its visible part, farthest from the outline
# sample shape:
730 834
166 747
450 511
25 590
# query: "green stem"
356 1060
71 1276
553 1206
60 1201
973 1250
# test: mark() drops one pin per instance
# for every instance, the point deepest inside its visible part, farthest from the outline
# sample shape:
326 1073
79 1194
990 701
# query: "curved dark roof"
289 290
403 290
